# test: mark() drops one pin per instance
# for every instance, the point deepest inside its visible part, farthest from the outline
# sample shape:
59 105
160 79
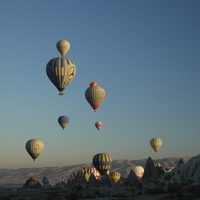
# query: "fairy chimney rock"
32 183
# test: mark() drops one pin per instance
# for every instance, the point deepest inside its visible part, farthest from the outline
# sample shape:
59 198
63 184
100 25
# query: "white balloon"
34 147
63 46
139 171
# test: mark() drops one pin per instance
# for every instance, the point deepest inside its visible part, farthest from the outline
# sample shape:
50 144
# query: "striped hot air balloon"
102 162
114 176
63 121
61 71
156 143
34 147
98 125
95 95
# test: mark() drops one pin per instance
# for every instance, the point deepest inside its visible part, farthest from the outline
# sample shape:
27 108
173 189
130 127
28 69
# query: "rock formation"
150 172
183 173
32 183
132 179
93 182
46 184
105 181
155 177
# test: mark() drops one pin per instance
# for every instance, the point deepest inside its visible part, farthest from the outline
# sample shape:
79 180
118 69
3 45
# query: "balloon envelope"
95 95
93 84
156 143
102 162
61 71
94 171
114 176
63 46
34 147
139 172
63 121
98 125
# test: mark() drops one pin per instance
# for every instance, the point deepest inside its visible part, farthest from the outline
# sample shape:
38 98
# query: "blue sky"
145 54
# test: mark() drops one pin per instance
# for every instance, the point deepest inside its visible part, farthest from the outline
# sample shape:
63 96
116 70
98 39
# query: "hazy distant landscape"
11 177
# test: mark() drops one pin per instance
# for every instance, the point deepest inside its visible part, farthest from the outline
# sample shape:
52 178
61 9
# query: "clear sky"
145 54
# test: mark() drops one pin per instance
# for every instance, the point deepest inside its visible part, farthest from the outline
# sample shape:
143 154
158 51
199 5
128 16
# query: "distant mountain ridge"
57 174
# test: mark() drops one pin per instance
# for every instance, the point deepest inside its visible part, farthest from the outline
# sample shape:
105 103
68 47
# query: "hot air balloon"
63 46
94 171
93 84
61 71
63 121
114 176
156 143
98 125
34 147
95 95
139 172
102 162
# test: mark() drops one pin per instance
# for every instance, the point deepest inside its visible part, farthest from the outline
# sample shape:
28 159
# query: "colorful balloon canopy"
93 84
63 121
98 125
139 172
102 162
156 143
94 171
63 46
114 176
95 95
34 147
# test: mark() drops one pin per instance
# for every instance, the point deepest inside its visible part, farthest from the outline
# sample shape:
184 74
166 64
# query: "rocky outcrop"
32 183
160 170
183 173
93 182
180 162
105 181
71 180
46 184
150 172
45 180
132 179
81 177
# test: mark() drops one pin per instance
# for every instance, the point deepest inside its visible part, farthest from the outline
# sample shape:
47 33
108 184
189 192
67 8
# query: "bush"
72 196
96 193
78 187
174 188
180 194
89 195
158 190
194 190
171 195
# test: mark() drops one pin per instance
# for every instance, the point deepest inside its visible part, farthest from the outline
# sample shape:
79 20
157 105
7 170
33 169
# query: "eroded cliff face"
183 173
